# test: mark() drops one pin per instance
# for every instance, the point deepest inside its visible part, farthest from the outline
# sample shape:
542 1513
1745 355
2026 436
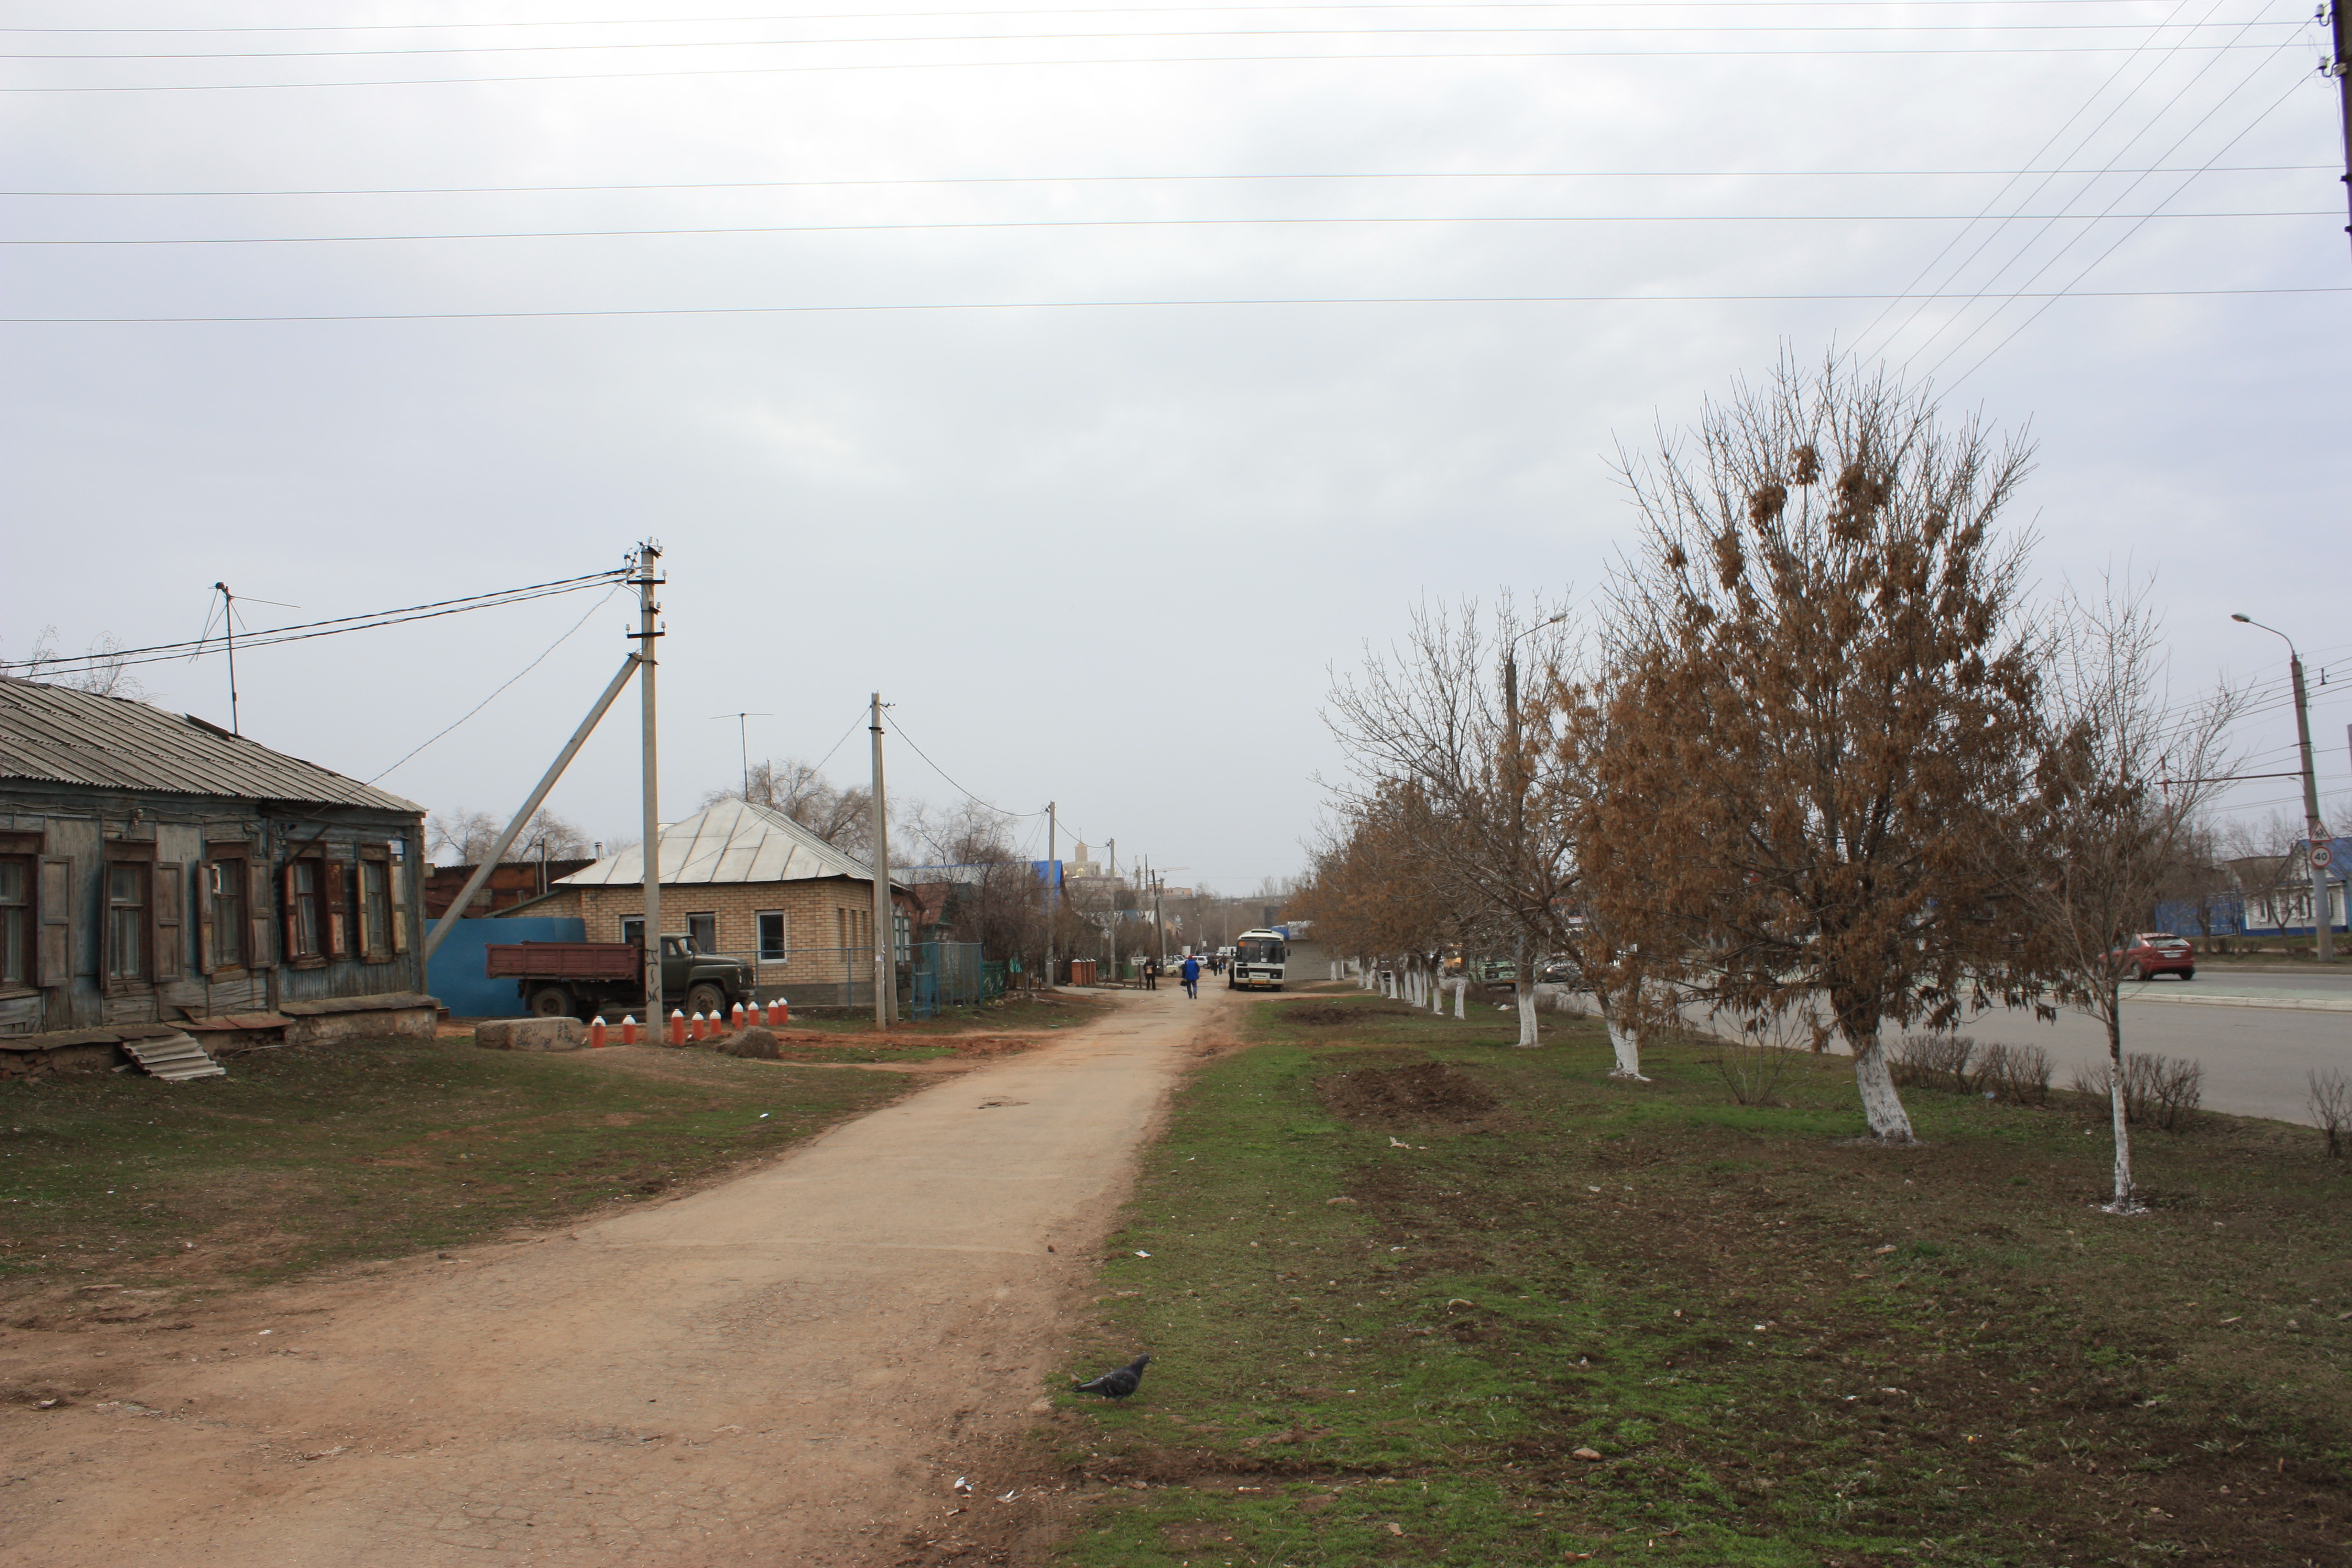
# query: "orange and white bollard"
628 1028
596 1033
677 1027
737 1018
770 1020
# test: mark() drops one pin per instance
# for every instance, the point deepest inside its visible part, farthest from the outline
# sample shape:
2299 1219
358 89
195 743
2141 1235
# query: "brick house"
749 882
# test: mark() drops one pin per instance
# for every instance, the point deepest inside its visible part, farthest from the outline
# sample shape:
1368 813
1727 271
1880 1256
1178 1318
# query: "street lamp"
2315 830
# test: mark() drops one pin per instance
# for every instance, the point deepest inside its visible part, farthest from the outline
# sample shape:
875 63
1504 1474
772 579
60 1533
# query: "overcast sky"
1105 550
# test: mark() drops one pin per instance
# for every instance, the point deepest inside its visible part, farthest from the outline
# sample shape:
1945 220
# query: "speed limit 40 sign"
2321 856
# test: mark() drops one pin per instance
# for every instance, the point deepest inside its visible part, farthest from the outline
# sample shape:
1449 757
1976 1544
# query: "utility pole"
743 741
2340 67
1052 889
2317 853
885 936
1158 925
648 630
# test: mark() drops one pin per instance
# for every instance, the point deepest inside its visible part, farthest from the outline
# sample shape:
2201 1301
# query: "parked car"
1558 972
2151 953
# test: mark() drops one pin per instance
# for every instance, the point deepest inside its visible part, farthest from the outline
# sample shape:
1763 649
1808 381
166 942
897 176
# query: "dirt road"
788 1369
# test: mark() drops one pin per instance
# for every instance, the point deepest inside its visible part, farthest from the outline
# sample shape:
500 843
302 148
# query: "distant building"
747 882
511 882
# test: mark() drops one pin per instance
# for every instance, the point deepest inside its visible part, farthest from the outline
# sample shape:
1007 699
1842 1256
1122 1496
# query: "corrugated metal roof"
733 841
64 736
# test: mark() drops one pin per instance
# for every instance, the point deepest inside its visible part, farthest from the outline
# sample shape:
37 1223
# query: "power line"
1031 11
1000 811
304 631
1169 179
1022 224
517 675
2019 255
1616 31
1520 55
1261 303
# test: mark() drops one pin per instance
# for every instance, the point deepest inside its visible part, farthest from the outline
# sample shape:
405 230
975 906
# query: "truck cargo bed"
564 961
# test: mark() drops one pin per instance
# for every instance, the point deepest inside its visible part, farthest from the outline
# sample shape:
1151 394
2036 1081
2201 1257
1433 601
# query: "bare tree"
102 671
1447 717
842 817
2122 780
1823 693
470 837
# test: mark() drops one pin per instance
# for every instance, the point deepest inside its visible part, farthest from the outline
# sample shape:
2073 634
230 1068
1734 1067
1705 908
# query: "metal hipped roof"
733 841
64 736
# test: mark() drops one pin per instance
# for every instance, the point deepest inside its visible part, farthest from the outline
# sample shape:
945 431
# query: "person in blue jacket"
1192 977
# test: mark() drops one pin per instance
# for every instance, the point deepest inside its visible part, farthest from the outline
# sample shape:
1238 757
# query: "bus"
1259 958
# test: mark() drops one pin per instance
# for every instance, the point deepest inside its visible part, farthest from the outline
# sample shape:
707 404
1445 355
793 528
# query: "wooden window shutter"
257 922
208 873
399 879
170 901
336 895
57 919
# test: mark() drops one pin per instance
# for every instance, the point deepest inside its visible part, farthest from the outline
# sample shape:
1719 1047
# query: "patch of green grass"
1384 1337
371 1149
1063 1010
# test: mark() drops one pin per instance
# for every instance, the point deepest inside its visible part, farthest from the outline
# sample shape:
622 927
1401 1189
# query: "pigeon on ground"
1121 1383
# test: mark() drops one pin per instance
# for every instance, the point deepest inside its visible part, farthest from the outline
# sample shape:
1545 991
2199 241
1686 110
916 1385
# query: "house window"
774 936
126 920
375 911
633 929
704 930
16 924
223 891
305 917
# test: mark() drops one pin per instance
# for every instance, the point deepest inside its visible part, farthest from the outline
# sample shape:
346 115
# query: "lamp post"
1522 983
2315 830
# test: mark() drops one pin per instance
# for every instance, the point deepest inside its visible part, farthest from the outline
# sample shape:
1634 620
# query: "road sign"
2320 857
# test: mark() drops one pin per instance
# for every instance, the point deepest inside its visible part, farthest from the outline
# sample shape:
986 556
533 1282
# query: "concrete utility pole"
649 629
885 936
1052 889
2341 69
2315 830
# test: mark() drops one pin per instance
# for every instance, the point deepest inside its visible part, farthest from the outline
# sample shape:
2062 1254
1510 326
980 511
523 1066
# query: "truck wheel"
705 997
552 1002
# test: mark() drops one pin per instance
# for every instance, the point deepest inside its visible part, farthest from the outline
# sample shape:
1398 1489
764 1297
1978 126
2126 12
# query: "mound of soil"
1428 1091
1344 1013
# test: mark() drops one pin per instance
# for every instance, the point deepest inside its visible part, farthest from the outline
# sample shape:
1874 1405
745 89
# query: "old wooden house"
158 870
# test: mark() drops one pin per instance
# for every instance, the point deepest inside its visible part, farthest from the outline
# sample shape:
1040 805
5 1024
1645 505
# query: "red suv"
2151 953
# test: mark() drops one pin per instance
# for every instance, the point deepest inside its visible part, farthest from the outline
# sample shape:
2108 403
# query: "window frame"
695 924
636 920
301 953
139 855
375 908
25 850
783 950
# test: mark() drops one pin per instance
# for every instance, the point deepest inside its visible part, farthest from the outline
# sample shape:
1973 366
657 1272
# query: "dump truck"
584 979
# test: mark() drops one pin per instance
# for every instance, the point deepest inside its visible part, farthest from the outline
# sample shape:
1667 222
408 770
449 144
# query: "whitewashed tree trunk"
2127 1201
1889 1123
1623 1040
1363 975
1461 997
1437 993
1527 1036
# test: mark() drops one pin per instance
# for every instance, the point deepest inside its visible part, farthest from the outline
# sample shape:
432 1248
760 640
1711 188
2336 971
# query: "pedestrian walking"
1192 977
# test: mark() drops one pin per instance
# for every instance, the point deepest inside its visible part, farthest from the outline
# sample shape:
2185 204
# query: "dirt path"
787 1369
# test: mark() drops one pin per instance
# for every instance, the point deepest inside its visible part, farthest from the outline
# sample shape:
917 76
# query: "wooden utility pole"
649 629
1053 889
886 943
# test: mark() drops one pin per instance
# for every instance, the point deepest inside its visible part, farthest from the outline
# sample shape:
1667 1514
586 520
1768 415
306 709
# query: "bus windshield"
1261 950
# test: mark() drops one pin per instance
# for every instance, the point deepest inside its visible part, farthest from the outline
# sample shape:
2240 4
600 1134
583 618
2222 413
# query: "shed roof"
59 735
734 841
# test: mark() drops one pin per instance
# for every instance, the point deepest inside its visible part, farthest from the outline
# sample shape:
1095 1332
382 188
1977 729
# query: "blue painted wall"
455 973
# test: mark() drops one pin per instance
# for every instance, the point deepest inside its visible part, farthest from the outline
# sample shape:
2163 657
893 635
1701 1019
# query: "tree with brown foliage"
1823 707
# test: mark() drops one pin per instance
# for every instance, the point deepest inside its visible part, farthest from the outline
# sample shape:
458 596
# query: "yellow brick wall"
816 915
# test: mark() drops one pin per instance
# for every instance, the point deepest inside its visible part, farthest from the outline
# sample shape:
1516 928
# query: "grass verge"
1419 1297
371 1149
